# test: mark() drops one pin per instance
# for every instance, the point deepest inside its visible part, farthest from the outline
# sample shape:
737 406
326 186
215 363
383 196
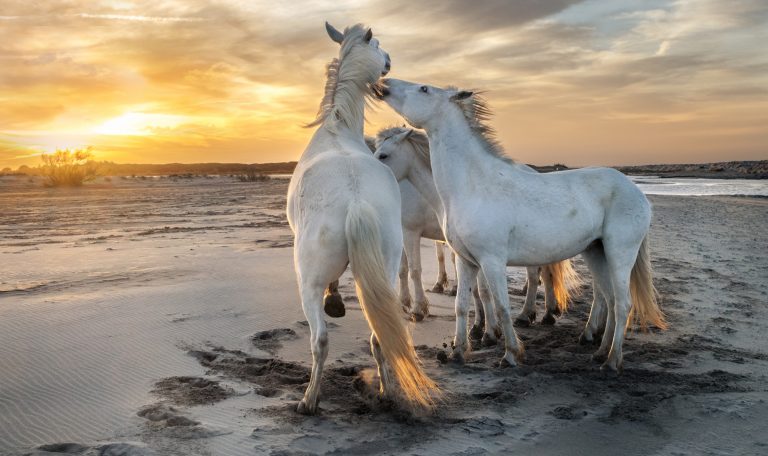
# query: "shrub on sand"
70 168
252 176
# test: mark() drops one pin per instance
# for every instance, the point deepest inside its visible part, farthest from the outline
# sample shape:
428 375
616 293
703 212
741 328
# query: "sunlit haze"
574 82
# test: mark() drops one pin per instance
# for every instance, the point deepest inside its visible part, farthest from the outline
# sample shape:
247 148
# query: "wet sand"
161 316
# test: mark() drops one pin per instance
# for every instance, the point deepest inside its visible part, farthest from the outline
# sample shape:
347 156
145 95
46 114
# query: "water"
652 185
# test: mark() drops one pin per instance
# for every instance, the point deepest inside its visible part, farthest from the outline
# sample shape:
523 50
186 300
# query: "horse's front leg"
492 330
467 278
455 287
528 314
442 276
412 241
495 271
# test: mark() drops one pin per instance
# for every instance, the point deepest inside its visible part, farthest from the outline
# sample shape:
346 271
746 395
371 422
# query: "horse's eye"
424 89
383 156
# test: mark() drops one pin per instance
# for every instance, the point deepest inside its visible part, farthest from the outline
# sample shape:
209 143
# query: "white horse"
406 152
497 215
418 221
344 208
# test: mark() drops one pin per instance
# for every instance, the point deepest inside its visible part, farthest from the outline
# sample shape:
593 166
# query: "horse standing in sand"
497 215
406 152
344 208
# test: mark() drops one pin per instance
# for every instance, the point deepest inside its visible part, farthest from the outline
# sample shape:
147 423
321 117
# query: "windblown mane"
478 114
346 77
417 139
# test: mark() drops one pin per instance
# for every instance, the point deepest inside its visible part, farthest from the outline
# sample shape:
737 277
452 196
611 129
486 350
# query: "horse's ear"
462 95
335 35
368 35
404 135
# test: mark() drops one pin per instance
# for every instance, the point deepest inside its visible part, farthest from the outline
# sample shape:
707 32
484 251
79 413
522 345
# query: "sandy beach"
161 316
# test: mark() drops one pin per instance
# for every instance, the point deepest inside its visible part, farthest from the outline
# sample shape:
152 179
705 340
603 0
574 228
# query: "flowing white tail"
645 309
381 305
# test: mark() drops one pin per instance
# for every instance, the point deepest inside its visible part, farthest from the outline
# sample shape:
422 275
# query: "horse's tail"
645 309
381 307
565 281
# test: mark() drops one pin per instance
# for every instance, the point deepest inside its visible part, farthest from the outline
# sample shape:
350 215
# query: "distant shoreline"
757 169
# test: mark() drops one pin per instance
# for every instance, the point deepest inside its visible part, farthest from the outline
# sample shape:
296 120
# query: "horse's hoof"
508 360
305 409
610 367
557 312
488 340
437 288
334 305
453 291
417 317
476 333
548 320
583 340
522 322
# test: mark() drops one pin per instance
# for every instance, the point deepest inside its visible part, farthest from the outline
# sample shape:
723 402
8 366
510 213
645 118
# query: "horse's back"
324 187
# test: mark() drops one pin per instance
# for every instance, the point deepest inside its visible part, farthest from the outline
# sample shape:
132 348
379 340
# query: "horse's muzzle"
380 89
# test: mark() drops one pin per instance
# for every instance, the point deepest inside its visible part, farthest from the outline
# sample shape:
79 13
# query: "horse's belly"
532 248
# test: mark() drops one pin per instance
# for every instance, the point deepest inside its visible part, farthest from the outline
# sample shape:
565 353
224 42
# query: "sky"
576 82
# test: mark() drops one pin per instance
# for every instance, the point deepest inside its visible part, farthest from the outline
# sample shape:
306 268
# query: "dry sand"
161 317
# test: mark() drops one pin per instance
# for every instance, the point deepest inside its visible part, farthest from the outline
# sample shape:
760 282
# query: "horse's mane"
478 114
417 139
347 76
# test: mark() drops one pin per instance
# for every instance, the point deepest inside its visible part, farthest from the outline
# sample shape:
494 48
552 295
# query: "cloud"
247 75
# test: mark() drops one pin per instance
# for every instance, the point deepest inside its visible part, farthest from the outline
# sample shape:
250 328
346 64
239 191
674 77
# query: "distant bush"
68 168
252 176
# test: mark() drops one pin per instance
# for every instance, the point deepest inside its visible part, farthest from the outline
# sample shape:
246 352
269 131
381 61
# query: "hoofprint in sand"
162 317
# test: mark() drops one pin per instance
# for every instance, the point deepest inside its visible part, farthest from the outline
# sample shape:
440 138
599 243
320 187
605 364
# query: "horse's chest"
457 242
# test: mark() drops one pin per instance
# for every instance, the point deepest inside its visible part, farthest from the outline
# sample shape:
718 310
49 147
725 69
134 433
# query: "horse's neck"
352 113
337 137
420 176
458 159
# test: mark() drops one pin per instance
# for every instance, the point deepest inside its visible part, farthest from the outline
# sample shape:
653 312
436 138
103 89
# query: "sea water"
653 185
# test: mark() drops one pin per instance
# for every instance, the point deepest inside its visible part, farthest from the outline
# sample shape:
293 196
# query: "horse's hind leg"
528 314
317 265
442 277
621 259
412 242
405 291
311 297
549 297
602 302
332 302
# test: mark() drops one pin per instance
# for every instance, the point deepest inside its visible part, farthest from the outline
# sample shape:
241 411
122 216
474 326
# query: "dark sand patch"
191 390
271 339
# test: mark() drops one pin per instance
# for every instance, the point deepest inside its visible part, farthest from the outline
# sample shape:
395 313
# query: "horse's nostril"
384 92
